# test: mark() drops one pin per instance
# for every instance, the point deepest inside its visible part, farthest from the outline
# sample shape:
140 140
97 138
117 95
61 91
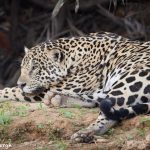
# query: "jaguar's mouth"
33 91
38 90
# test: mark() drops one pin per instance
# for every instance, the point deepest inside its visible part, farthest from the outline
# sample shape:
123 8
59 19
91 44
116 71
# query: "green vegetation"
8 112
5 114
141 132
61 145
110 131
76 106
41 106
145 120
5 118
66 113
40 126
130 137
21 111
42 148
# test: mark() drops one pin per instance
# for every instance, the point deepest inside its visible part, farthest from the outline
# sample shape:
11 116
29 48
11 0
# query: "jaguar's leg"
48 98
71 102
99 127
128 97
16 94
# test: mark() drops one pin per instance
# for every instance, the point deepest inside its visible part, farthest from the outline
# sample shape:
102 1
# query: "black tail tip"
105 106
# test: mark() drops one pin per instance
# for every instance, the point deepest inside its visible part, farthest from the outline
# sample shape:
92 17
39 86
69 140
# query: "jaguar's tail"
123 113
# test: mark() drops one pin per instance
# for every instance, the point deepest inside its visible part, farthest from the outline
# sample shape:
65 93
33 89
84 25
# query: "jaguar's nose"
21 84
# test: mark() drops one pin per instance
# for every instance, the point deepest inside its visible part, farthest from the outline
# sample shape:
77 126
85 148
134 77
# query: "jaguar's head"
42 67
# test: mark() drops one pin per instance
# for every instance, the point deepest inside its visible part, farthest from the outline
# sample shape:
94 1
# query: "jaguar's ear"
56 55
26 49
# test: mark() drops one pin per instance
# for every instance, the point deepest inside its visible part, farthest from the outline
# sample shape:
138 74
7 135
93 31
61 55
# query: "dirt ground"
36 127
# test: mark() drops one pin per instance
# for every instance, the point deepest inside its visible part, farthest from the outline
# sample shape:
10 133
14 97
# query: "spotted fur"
103 68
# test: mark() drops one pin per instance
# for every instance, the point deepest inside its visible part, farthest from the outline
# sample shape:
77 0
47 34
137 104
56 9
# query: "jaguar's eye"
34 65
33 68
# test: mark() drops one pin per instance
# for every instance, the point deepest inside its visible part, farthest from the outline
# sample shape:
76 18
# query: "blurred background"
29 22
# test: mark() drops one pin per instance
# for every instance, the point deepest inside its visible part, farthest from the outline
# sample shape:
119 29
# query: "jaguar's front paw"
83 136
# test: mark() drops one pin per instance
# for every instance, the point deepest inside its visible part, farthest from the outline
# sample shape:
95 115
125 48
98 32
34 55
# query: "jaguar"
102 70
